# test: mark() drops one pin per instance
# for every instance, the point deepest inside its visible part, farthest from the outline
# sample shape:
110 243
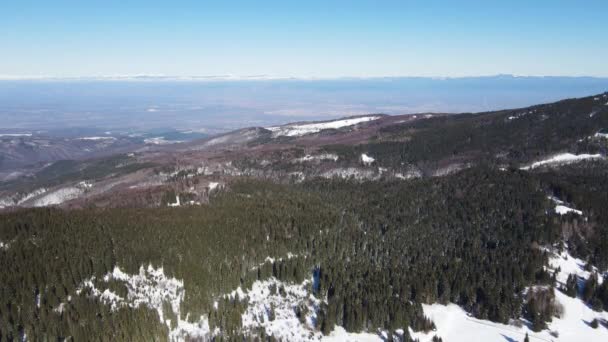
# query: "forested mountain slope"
310 231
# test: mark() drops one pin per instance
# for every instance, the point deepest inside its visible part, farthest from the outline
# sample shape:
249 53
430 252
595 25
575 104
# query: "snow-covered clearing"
265 301
454 324
58 196
563 158
569 265
303 129
150 288
273 306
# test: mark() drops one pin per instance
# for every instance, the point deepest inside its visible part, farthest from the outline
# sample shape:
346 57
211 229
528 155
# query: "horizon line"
228 77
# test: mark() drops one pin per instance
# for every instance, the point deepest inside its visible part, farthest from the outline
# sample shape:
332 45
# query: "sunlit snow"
150 288
367 160
454 324
563 158
562 209
296 130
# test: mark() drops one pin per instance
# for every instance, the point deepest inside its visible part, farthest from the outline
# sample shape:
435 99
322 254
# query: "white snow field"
296 130
560 159
454 324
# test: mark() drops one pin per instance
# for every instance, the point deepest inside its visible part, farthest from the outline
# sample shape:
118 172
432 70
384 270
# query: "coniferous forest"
379 248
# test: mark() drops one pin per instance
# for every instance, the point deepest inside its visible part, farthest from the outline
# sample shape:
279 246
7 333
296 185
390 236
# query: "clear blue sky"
304 38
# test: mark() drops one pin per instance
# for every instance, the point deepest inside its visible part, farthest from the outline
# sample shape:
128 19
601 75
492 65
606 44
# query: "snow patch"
160 141
176 204
18 199
303 129
563 158
85 185
561 209
569 265
96 138
341 335
150 288
213 186
4 245
520 115
273 307
58 196
367 160
350 172
455 324
15 134
319 157
276 314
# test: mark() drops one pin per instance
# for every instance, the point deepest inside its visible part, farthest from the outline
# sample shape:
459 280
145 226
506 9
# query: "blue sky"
303 38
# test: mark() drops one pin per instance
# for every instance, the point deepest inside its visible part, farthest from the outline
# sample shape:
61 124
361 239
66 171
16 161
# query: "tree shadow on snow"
509 339
587 322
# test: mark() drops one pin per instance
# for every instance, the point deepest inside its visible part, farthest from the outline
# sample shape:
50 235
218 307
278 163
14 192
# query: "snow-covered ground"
350 172
96 138
562 209
213 185
18 199
454 324
176 203
151 288
563 158
341 335
160 141
265 300
520 115
272 306
58 196
303 129
4 245
367 160
272 297
15 134
318 157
